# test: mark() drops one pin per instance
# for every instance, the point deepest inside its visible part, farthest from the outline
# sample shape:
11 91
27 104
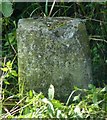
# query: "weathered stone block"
53 51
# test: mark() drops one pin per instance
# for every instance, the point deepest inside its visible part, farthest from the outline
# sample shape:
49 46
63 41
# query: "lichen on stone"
53 51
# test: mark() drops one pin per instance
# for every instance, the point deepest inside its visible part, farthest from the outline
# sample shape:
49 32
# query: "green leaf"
45 100
104 89
95 98
76 98
57 104
91 86
6 82
51 109
13 72
30 94
6 8
9 64
5 69
58 113
26 111
50 105
51 92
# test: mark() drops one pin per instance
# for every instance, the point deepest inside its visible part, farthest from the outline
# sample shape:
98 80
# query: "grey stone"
53 51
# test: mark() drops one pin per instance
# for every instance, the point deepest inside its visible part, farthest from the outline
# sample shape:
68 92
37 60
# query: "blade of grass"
46 8
56 12
52 8
70 97
34 11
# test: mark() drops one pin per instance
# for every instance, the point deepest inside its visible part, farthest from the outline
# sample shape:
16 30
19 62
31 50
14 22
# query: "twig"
96 39
55 13
52 8
14 108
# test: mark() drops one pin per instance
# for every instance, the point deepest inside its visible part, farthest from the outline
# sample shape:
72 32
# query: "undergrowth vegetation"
89 103
82 103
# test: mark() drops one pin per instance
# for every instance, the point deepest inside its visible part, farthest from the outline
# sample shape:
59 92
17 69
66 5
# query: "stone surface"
53 51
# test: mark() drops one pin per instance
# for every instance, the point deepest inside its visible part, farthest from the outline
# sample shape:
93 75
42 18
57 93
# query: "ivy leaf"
6 8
